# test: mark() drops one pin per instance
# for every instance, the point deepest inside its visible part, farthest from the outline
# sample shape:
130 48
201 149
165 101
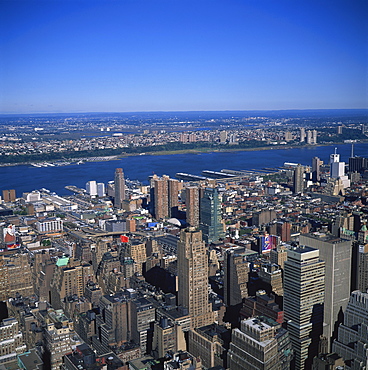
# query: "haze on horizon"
165 55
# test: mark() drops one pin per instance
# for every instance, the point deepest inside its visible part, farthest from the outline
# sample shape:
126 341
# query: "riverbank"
235 148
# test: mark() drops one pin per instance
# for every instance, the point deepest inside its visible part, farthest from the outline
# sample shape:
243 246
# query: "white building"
91 188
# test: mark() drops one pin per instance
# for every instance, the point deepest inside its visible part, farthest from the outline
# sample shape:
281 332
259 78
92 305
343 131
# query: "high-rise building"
114 320
192 205
259 344
236 270
316 169
336 253
11 342
298 180
337 168
142 316
91 188
193 277
9 195
223 137
362 270
15 275
119 183
302 134
209 343
173 201
160 196
167 337
211 216
303 302
352 341
101 192
70 277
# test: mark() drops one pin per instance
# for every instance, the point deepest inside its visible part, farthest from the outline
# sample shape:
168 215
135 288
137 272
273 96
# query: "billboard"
268 242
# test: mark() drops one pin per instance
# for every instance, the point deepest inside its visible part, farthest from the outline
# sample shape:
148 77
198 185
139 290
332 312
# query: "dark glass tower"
210 216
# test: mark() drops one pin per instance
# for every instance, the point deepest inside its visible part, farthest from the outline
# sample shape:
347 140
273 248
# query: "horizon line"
187 111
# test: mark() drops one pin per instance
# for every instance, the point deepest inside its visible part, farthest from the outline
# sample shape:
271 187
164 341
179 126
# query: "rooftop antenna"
335 151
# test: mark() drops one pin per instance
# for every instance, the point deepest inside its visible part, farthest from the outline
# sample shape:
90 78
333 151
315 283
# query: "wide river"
28 178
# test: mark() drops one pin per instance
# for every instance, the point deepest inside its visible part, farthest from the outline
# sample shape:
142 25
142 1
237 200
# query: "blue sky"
170 55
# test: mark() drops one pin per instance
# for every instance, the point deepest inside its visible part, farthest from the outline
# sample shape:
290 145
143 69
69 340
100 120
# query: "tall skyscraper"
337 168
211 215
302 134
173 201
298 180
336 253
192 205
236 270
352 341
316 169
303 302
160 196
119 182
193 277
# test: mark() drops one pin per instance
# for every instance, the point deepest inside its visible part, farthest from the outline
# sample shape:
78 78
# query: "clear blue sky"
165 55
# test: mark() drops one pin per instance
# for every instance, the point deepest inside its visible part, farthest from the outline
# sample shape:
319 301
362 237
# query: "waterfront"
140 167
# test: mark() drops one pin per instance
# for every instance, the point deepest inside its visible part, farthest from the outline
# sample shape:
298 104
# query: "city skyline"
174 56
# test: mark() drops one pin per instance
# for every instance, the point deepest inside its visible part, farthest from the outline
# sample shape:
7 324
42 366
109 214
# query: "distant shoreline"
182 151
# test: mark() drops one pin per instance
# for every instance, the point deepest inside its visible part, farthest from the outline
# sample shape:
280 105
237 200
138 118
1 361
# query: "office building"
236 271
358 164
316 169
336 253
15 275
114 321
211 216
11 343
298 179
209 343
101 192
168 337
119 184
70 278
91 188
352 341
142 316
192 205
260 343
59 337
193 277
303 302
362 270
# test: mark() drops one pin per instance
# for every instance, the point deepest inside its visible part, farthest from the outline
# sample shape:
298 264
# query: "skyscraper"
302 134
298 180
236 269
160 196
119 182
210 216
173 201
193 277
316 169
303 302
352 342
192 205
336 253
